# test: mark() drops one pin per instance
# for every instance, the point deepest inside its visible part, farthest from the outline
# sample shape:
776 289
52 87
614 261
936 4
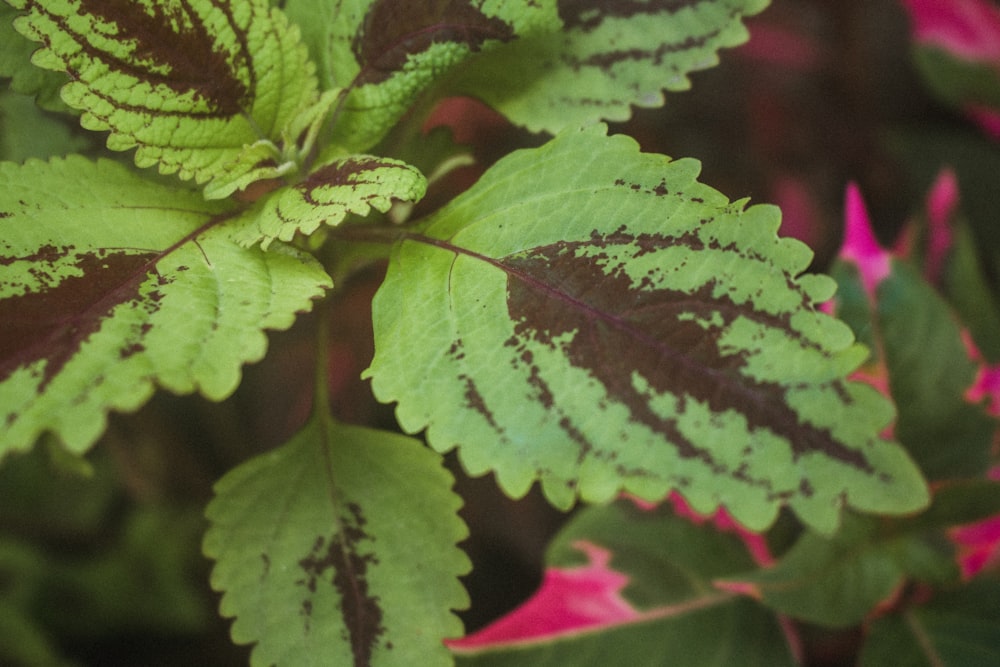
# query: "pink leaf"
570 600
942 202
986 118
860 245
978 543
969 29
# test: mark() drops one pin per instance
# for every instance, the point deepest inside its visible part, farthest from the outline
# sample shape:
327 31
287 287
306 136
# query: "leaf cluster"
585 317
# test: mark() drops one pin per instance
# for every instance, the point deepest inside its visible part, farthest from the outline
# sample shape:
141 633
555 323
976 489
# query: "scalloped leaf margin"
610 323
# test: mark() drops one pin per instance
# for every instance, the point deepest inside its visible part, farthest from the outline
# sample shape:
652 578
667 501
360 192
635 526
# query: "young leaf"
838 580
626 586
110 282
339 548
385 53
608 322
955 629
354 184
208 89
606 58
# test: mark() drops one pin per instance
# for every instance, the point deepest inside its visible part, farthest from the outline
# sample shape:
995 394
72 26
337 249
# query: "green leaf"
339 548
956 629
209 90
946 434
838 580
609 323
670 565
385 53
26 131
15 64
956 81
607 58
354 184
109 283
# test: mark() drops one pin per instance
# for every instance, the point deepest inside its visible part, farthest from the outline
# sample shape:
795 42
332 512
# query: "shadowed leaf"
608 322
602 58
352 558
642 595
960 628
109 283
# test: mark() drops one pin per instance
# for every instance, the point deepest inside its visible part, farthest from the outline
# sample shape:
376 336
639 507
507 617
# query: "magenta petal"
969 29
569 600
860 245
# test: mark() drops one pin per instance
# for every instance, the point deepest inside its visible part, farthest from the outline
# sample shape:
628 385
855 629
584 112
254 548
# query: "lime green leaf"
205 89
15 64
354 184
608 57
385 53
956 629
838 580
665 566
608 322
339 548
109 283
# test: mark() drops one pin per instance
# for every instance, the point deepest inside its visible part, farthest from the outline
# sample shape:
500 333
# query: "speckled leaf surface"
210 89
386 53
603 59
339 548
350 185
15 64
609 323
110 283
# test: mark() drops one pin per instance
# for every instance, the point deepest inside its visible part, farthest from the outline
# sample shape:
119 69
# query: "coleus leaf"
839 580
957 49
354 184
26 131
215 91
625 586
15 64
110 282
351 558
609 323
954 629
903 317
386 53
605 58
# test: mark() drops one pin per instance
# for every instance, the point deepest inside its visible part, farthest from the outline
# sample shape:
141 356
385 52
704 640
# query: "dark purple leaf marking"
342 553
349 173
54 322
621 330
394 30
589 14
193 60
